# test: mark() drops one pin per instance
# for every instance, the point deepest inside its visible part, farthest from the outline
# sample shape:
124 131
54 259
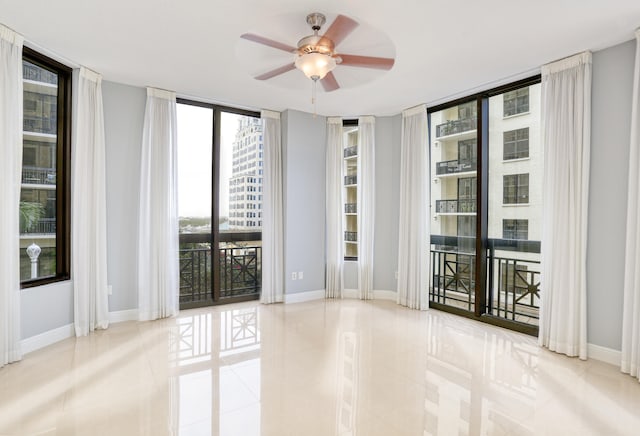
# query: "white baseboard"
604 354
123 315
301 297
377 295
47 338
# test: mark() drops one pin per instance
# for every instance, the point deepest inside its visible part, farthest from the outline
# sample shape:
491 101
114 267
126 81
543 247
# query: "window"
220 240
516 144
46 163
485 255
515 229
515 189
350 193
516 102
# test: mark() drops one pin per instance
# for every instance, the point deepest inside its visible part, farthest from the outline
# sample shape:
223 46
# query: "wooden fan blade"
367 62
329 83
268 42
340 28
276 72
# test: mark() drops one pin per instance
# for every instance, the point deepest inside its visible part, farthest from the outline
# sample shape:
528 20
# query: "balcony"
455 167
513 277
351 151
38 176
240 267
37 74
350 180
453 127
44 226
456 206
40 125
351 208
351 236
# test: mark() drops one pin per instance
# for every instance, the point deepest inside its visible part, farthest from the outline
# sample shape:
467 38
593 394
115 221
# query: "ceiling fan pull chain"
313 96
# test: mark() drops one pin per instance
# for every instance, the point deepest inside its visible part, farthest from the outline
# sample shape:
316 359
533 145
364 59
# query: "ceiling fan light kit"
316 55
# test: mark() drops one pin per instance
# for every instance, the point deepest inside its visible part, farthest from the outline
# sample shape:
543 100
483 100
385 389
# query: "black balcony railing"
513 276
37 74
351 236
455 166
44 226
456 206
240 266
351 208
452 127
350 180
40 125
351 151
38 176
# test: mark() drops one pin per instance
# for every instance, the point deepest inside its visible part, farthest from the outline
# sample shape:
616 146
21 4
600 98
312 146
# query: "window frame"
518 226
517 144
519 186
350 123
63 167
482 243
518 107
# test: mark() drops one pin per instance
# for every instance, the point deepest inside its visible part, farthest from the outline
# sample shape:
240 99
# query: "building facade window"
515 229
516 102
516 144
515 189
45 188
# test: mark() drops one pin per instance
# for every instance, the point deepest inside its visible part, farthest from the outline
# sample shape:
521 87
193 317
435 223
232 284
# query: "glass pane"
195 151
515 194
453 205
350 194
195 154
240 205
39 173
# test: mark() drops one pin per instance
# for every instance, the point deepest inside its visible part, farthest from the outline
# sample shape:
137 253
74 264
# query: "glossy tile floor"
318 368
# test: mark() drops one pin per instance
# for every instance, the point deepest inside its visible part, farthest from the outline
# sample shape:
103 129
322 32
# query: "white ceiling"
442 48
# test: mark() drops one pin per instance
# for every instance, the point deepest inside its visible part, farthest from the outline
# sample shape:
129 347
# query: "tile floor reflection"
319 368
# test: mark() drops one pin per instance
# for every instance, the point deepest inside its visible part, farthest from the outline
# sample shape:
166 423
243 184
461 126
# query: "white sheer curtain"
366 205
413 246
631 308
335 258
158 275
89 222
10 178
566 127
272 212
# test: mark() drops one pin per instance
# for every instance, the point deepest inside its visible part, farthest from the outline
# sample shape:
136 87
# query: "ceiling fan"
316 54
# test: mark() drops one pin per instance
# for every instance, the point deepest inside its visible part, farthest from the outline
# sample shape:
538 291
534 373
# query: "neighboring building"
38 194
245 184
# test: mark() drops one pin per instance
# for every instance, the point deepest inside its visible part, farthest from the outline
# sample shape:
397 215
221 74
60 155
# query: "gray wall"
123 119
45 308
388 136
385 249
303 142
610 133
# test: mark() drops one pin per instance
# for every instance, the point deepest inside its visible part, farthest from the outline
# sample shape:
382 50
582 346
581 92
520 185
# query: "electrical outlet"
300 275
109 290
396 275
294 276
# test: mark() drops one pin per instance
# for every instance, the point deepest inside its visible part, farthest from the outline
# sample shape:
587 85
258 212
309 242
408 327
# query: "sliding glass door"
220 204
486 189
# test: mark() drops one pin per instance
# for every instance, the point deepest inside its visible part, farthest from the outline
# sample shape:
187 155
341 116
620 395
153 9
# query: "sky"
195 127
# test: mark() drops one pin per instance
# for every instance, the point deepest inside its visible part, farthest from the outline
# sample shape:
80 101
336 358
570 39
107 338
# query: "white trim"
47 338
377 295
301 297
604 354
123 315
